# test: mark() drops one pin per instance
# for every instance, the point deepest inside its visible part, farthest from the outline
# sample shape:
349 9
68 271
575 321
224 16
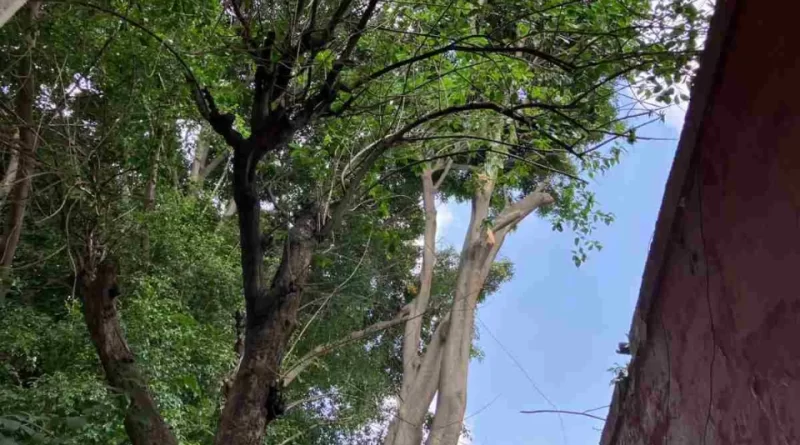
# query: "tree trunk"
406 427
254 399
20 192
199 160
152 179
452 399
143 423
413 327
11 171
480 249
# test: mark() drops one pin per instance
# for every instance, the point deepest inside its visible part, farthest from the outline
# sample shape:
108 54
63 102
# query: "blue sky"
562 323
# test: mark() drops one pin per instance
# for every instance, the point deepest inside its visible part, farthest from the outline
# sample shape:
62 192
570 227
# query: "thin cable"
527 376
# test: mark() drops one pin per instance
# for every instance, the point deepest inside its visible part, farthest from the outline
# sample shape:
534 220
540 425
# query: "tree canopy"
213 209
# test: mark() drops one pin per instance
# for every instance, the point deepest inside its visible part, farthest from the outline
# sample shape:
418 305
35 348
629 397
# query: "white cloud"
444 217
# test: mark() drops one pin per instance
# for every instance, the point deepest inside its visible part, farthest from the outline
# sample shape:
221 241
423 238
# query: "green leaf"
75 422
4 440
9 425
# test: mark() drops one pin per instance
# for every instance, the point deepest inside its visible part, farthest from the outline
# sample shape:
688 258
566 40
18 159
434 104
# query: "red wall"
718 358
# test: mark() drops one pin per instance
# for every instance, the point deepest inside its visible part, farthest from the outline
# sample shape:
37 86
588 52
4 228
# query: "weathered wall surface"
717 335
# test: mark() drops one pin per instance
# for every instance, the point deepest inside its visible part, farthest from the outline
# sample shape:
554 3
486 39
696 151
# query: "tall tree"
20 168
321 101
315 61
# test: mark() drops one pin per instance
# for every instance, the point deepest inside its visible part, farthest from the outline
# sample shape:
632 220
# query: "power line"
527 376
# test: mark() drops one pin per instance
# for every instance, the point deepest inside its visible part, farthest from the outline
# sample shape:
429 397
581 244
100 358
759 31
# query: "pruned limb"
517 211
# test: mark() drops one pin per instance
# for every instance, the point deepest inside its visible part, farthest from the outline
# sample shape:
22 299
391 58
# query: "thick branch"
327 92
221 123
517 211
143 423
406 427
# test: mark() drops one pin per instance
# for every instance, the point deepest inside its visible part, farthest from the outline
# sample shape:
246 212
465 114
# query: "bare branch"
216 162
444 173
321 350
558 411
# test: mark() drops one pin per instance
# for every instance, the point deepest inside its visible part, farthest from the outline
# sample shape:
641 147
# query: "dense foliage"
131 129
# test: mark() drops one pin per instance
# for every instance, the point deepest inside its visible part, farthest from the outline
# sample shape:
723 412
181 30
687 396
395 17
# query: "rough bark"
143 423
254 397
20 192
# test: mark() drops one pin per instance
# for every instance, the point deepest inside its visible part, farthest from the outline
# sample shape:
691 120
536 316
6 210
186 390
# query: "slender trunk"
150 196
11 171
413 327
254 399
152 180
420 374
20 192
406 427
143 423
452 399
200 156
